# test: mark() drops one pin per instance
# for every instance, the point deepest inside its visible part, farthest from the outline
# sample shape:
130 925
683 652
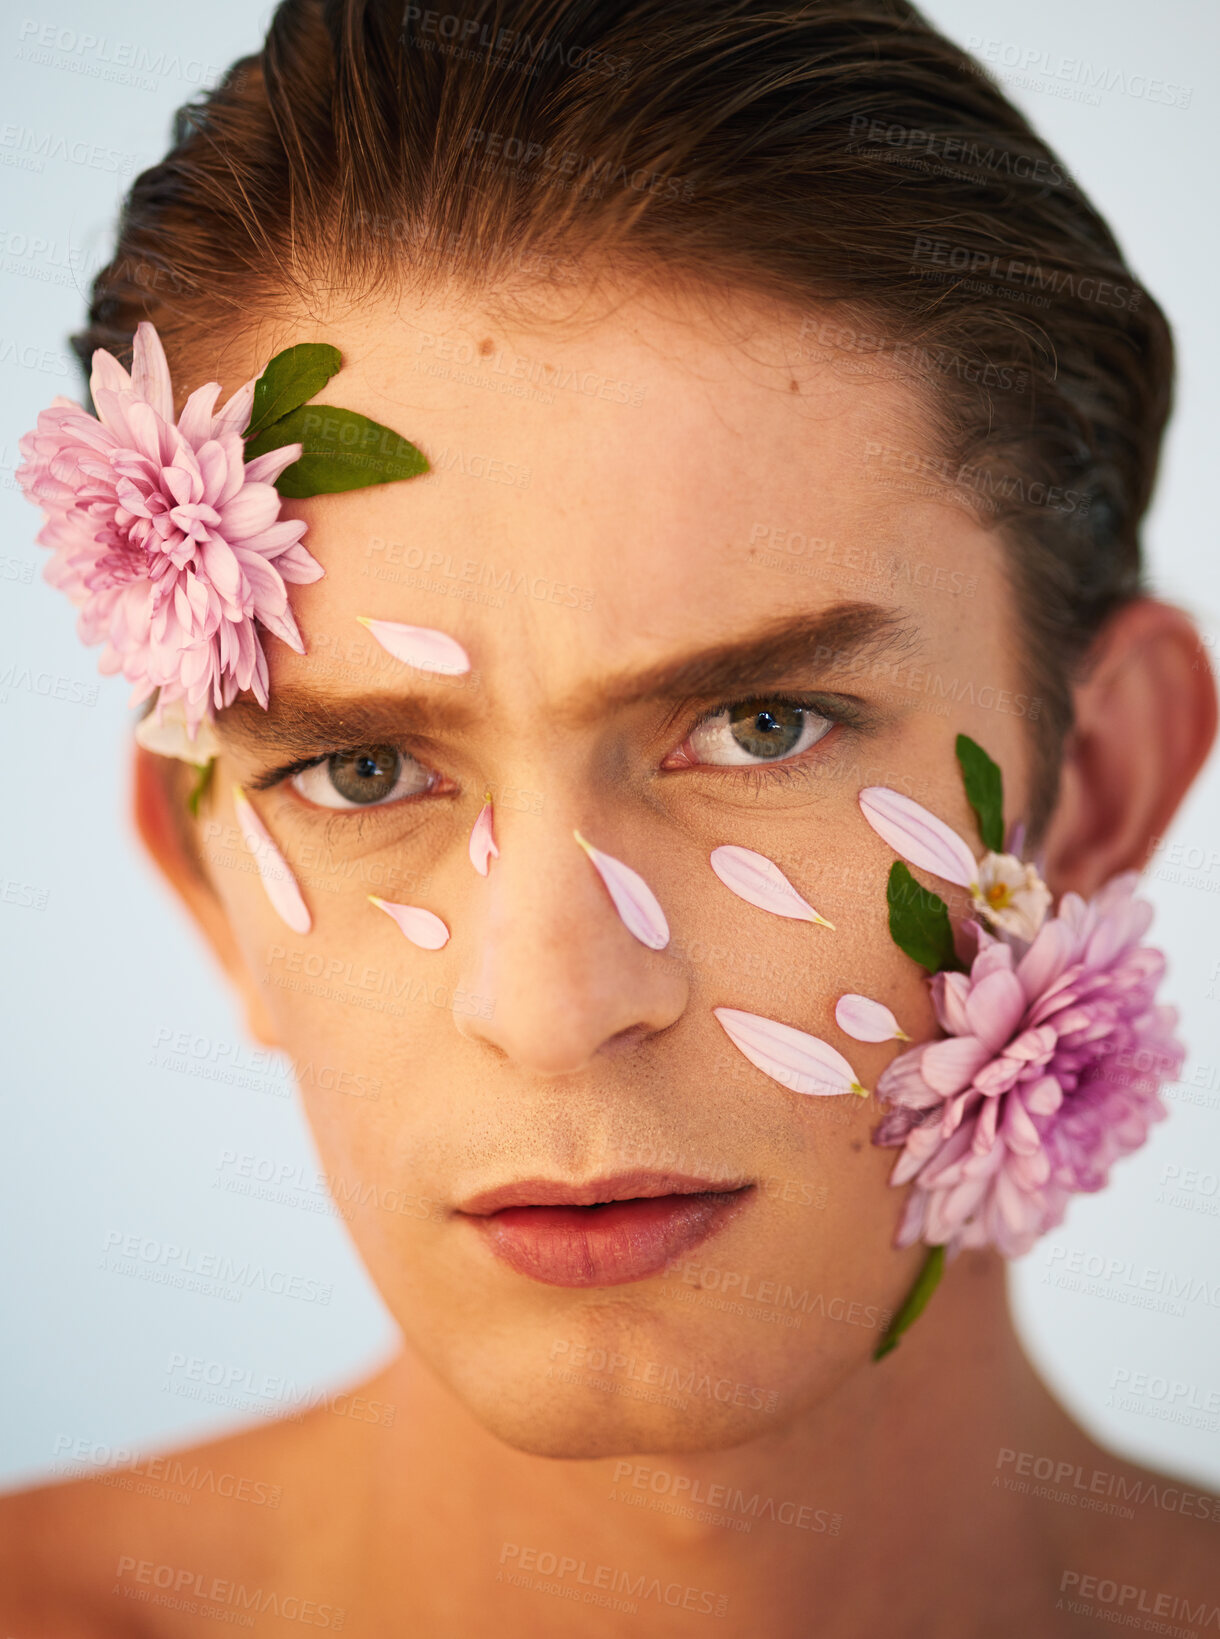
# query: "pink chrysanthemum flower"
166 538
1048 1073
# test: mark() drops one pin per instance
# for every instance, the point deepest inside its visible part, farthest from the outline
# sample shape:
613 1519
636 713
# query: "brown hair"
837 154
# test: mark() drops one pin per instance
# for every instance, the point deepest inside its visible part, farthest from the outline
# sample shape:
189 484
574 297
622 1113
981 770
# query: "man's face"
706 599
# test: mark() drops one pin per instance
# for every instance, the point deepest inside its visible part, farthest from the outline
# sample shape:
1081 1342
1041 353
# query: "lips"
602 1233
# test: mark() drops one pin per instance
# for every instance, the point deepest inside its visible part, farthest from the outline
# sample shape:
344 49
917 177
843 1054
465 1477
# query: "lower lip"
604 1245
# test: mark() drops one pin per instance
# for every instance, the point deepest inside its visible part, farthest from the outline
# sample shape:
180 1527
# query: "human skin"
586 1053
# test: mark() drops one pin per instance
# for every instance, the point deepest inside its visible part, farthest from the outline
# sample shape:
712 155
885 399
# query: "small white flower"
1011 895
164 730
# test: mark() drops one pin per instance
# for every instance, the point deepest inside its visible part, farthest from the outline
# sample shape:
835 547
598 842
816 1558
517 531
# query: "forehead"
616 479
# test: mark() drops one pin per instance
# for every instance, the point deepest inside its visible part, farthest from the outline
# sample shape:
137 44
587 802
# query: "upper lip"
622 1186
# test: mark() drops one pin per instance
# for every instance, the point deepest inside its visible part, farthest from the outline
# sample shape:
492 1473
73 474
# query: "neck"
850 1505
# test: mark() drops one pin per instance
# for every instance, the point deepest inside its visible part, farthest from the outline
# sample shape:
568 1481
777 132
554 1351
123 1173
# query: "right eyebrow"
301 721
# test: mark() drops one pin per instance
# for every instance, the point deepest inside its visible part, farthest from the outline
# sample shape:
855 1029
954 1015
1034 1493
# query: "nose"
566 980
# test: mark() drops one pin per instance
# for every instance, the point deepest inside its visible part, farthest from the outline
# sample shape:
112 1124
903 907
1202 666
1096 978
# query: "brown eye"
765 730
362 778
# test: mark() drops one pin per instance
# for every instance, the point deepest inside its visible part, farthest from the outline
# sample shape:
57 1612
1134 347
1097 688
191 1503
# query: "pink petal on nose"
278 881
423 647
866 1020
634 900
797 1060
421 927
918 836
482 841
759 881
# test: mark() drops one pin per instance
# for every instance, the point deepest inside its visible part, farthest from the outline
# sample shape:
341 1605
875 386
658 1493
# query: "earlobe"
1145 719
159 790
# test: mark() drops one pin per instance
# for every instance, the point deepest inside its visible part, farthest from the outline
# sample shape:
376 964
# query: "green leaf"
203 780
919 921
291 378
916 1301
984 791
343 451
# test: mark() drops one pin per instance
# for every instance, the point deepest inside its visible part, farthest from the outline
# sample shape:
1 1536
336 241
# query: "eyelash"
841 713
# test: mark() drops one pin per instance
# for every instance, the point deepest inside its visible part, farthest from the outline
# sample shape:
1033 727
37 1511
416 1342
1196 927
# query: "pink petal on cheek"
634 900
759 881
482 841
866 1020
918 836
423 647
797 1060
421 927
278 881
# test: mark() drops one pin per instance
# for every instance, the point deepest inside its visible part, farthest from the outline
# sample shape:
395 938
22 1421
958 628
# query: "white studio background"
103 1140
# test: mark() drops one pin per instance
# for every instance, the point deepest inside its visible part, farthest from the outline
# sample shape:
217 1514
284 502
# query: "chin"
613 1382
587 1425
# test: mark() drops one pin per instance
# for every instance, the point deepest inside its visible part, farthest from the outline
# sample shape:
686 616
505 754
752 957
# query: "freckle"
857 1144
486 346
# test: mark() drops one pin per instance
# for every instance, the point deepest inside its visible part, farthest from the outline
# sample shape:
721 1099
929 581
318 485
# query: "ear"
1145 718
160 786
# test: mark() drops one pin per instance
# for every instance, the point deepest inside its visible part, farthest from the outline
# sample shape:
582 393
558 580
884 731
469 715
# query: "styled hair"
840 156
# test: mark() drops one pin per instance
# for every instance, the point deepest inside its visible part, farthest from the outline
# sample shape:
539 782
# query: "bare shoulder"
1140 1542
125 1550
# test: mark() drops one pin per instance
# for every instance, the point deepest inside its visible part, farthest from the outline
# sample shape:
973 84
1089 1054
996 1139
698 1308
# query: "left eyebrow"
300 721
833 638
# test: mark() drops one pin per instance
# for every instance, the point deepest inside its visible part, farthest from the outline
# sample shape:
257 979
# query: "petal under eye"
756 731
365 777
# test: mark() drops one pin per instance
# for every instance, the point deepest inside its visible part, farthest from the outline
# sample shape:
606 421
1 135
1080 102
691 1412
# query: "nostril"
623 1040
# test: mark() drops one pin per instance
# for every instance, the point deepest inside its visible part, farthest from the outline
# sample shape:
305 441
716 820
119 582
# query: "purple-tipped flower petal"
918 836
421 927
797 1060
866 1020
1049 1072
278 881
633 898
759 881
423 647
482 840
